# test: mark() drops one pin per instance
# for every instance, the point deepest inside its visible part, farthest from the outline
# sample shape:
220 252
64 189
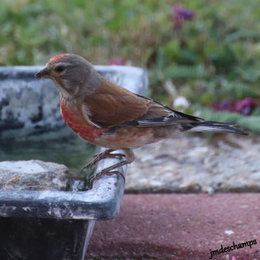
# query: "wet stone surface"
33 175
223 163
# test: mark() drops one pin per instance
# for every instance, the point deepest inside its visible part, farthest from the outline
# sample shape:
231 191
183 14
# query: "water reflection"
72 151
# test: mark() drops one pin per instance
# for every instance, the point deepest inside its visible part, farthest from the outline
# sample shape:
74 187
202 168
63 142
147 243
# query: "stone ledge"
32 175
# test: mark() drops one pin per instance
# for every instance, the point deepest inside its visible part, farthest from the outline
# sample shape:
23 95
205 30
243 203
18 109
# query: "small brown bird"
108 115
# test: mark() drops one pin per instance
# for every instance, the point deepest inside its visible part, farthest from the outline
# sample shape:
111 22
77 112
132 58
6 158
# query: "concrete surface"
33 175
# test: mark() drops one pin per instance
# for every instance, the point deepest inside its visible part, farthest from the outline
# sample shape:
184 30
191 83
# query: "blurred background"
203 57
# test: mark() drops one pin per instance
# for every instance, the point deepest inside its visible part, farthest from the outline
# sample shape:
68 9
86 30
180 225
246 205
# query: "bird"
110 116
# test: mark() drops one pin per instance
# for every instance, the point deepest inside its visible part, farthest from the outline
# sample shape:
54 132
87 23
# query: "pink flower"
117 61
244 106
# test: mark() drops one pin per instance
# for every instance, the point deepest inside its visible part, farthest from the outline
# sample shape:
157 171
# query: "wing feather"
112 105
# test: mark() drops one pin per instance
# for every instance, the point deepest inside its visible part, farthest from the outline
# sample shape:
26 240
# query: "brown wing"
160 115
112 105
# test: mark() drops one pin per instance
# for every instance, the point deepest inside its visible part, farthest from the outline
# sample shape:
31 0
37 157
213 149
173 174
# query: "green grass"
211 58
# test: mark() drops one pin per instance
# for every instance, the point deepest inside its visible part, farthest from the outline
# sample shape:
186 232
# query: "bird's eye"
59 68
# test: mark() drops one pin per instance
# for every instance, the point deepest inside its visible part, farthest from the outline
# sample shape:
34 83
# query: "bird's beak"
44 73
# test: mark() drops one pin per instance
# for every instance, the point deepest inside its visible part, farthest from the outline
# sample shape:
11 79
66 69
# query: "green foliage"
32 31
222 41
214 56
252 123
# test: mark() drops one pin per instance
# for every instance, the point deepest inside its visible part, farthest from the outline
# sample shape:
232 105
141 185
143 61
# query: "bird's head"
74 75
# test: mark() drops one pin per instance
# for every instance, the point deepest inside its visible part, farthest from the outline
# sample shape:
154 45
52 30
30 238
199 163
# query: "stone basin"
29 112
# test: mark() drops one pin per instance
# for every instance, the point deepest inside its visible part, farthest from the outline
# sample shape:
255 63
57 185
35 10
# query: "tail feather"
211 126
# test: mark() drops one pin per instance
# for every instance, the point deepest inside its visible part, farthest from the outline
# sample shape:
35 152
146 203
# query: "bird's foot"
100 156
97 176
111 170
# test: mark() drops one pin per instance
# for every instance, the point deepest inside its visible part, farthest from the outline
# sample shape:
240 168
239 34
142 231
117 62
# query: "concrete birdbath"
43 214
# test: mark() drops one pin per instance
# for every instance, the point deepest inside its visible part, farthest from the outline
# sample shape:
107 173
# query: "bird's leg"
129 157
100 156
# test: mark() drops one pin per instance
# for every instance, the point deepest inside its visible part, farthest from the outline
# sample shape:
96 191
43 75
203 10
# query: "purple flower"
224 105
244 106
180 14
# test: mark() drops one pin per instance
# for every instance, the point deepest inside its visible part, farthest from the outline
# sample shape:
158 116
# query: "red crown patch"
58 57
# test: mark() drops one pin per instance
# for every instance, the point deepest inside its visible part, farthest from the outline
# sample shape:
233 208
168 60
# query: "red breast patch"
78 124
58 57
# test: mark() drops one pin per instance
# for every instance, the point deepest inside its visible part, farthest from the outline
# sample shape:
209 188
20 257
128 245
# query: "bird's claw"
97 176
113 169
100 156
